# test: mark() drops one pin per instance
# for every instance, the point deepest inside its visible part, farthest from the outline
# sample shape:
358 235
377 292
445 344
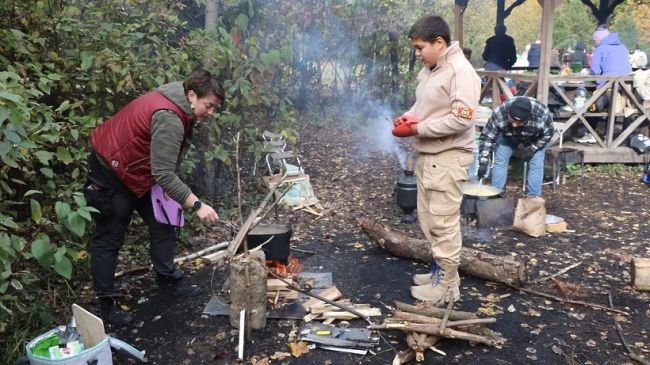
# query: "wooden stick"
445 318
630 353
416 318
131 271
557 273
434 312
202 252
248 225
403 357
435 330
576 302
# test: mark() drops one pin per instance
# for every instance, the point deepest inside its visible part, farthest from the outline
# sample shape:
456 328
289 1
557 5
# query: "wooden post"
458 24
544 70
640 273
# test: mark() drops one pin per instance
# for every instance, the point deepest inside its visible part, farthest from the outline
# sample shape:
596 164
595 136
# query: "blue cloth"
535 168
610 58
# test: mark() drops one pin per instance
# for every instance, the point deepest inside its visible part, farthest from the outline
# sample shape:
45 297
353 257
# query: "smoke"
376 129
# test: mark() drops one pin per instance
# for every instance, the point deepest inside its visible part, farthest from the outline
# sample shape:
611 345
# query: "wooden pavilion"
610 148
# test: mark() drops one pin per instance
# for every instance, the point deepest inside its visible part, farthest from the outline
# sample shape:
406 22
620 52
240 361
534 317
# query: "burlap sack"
530 216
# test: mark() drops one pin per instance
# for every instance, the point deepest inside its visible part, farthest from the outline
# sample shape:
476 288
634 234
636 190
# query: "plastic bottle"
580 97
473 168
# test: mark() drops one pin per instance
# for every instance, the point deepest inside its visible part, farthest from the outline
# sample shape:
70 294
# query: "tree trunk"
211 15
483 265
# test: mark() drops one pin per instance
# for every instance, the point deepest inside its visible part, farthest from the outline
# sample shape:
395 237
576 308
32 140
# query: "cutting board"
89 326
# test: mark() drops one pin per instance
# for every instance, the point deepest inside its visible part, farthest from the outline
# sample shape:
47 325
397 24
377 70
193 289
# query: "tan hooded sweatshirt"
446 99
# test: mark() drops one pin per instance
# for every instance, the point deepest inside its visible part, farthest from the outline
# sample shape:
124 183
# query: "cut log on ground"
640 272
473 262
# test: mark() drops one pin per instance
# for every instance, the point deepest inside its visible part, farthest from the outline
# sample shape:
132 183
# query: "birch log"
473 262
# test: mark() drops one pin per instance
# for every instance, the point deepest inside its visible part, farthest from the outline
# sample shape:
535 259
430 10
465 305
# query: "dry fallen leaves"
298 348
278 355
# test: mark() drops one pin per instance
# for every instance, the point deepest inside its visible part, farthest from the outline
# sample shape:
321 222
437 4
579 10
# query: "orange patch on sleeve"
463 112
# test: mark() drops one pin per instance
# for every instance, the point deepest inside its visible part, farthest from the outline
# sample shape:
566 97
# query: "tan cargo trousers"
439 181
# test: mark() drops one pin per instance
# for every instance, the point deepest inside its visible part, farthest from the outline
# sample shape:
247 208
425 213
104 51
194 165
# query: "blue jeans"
535 168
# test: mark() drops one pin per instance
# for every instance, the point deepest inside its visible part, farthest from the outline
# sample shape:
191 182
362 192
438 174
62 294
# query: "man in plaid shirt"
520 126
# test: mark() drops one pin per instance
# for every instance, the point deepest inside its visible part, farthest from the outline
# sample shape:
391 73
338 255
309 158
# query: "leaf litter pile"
559 317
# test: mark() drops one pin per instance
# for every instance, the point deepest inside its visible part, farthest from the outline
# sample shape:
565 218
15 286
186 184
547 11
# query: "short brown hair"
204 84
430 27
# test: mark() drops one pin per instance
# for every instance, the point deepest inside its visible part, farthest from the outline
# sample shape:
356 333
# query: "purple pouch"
166 210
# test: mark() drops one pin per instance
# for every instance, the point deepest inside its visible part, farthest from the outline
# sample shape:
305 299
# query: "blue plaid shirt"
533 135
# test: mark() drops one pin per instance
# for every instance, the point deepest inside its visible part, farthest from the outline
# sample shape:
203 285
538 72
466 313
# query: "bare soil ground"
608 217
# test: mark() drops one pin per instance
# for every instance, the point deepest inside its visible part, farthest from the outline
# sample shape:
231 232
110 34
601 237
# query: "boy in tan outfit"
441 120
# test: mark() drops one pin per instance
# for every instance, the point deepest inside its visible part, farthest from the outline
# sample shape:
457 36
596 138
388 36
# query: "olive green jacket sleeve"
166 144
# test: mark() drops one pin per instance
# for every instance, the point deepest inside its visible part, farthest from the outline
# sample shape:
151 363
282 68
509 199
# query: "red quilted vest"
124 141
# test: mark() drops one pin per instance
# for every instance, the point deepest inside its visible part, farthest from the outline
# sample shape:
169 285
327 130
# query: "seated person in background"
638 58
468 53
500 52
521 126
579 59
610 56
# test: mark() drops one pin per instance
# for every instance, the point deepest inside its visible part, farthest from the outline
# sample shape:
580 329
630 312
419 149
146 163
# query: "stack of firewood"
328 313
425 326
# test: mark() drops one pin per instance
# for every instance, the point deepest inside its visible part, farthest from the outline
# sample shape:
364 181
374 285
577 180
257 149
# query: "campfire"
291 268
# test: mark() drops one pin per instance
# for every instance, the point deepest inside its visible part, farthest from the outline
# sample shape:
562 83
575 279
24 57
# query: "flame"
291 268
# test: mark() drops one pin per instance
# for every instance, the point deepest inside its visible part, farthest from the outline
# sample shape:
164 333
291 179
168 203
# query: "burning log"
473 262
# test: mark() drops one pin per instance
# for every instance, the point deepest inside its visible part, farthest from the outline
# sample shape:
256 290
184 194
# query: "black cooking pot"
279 235
406 192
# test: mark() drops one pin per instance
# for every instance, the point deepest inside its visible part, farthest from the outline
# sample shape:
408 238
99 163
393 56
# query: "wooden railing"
619 87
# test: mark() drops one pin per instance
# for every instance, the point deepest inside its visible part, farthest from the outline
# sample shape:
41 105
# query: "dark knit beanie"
520 109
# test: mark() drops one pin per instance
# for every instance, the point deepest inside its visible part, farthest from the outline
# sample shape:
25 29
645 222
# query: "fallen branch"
416 318
438 313
576 302
500 269
435 330
557 273
202 252
630 353
434 312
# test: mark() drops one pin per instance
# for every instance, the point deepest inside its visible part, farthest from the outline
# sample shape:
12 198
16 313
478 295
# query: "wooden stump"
248 290
501 269
640 272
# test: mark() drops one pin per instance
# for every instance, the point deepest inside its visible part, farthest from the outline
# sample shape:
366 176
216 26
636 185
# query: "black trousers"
117 207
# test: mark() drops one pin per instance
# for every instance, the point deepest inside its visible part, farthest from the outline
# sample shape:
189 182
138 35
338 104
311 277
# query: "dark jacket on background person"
500 51
534 55
579 55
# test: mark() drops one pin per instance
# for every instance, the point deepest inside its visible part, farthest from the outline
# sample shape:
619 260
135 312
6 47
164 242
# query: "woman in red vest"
139 147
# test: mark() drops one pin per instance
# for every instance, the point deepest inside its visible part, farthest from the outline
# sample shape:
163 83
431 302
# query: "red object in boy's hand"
404 119
407 129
